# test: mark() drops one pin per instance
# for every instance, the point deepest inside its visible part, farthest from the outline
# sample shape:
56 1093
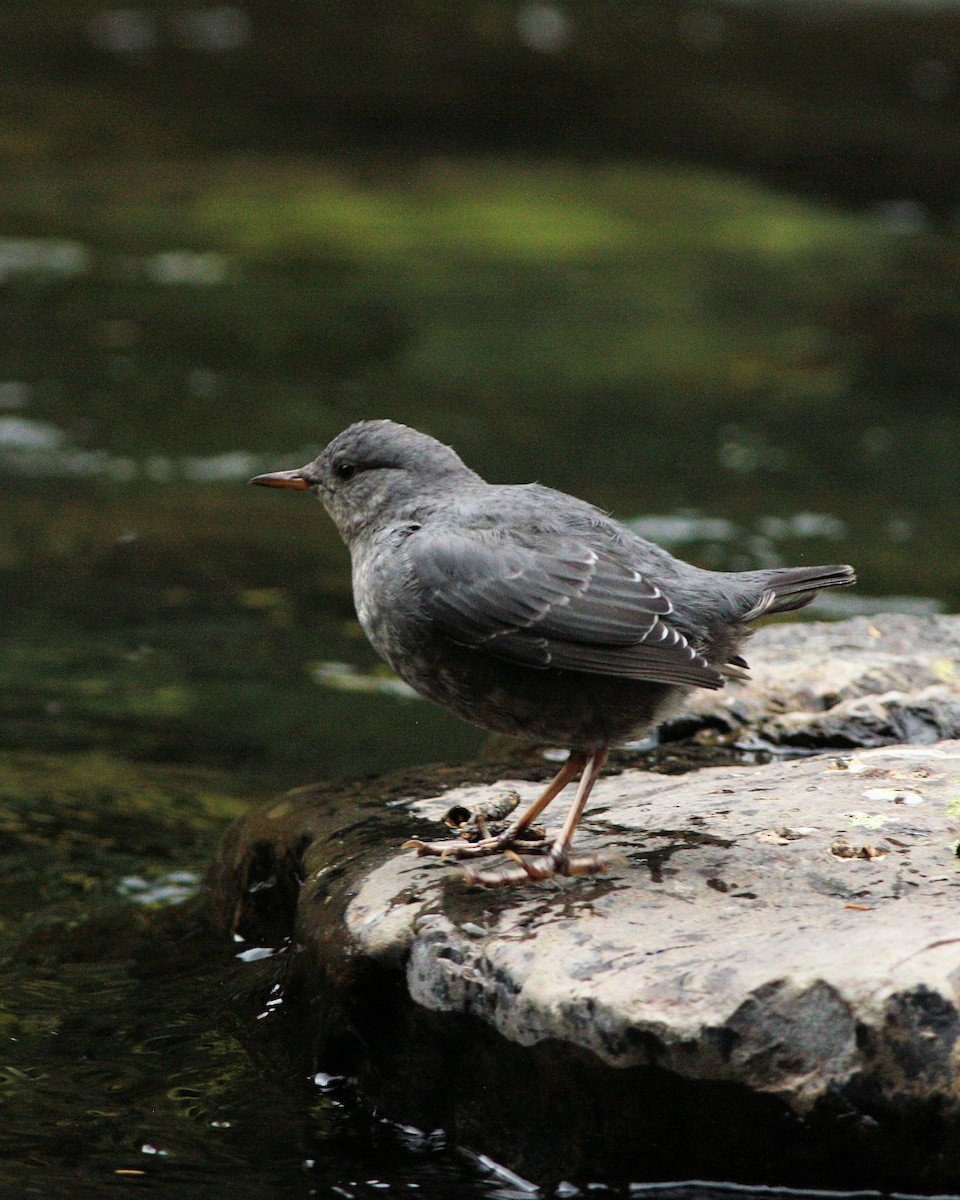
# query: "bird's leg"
557 860
455 848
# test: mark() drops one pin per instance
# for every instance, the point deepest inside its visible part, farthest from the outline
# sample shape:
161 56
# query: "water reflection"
127 1049
154 1085
40 256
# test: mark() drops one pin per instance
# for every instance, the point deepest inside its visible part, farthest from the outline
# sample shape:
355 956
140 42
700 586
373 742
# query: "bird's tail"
787 588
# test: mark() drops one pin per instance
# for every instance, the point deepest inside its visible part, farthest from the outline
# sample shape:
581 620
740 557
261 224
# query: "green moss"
98 787
75 824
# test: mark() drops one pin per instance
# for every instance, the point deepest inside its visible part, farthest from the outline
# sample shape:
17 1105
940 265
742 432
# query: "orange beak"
284 479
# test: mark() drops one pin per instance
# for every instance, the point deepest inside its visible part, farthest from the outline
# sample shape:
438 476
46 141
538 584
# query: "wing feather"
560 603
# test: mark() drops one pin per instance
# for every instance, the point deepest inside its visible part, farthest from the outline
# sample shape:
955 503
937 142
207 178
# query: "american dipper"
529 612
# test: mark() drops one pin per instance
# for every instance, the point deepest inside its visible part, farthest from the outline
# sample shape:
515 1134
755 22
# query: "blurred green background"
695 261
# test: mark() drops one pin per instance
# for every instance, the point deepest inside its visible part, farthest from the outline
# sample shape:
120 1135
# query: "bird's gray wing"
560 604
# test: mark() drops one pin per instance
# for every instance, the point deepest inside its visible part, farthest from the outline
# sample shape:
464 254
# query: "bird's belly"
565 708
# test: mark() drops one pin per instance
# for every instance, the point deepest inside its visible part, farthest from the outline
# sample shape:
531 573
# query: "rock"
864 682
929 715
786 932
765 988
735 911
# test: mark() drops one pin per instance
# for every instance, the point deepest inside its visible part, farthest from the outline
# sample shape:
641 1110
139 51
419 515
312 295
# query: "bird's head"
371 470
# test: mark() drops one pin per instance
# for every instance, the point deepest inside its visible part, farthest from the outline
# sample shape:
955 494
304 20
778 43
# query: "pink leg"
455 848
557 861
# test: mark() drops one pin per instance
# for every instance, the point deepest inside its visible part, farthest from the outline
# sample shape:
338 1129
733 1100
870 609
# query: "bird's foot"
534 843
555 862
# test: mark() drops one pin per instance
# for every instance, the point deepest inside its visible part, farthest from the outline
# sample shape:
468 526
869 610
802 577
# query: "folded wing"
561 603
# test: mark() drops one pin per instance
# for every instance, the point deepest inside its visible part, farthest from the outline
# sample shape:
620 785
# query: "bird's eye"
344 470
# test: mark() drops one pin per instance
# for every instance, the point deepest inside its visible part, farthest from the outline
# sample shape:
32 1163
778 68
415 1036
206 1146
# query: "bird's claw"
458 848
453 848
553 864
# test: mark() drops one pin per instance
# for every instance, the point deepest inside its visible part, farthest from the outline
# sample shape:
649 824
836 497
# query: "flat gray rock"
769 925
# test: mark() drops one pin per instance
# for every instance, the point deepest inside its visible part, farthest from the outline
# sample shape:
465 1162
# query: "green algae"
74 825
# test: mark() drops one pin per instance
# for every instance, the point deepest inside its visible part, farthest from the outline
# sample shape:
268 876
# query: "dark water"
754 379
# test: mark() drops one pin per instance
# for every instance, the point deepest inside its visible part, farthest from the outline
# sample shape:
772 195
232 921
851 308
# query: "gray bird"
529 612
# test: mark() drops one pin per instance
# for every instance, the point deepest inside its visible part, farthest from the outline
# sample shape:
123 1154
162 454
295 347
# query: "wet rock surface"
769 925
765 987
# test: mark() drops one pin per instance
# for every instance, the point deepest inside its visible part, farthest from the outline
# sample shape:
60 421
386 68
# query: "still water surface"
178 646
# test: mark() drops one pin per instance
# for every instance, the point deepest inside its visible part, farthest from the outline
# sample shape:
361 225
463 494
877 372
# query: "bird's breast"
367 596
382 595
